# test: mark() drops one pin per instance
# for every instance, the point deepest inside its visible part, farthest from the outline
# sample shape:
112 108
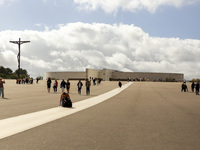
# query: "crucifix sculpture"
18 56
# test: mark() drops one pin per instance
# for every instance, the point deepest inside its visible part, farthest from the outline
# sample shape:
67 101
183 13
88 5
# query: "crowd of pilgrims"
24 81
66 84
194 87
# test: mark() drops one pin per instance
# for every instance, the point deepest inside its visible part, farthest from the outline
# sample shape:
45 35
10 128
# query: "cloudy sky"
125 35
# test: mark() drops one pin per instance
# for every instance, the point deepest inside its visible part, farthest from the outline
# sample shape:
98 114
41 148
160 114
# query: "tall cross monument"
18 56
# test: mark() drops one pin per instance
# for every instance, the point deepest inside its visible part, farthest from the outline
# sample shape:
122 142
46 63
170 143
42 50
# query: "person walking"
87 84
79 84
197 88
192 86
94 81
62 85
119 84
48 84
68 86
184 87
55 85
1 87
37 80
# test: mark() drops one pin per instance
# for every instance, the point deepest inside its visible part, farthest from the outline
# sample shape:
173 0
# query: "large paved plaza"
144 116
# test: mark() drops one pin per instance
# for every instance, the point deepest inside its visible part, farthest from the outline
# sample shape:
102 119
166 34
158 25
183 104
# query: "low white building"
108 74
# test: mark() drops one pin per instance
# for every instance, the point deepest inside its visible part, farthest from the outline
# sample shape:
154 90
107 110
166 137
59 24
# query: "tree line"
7 73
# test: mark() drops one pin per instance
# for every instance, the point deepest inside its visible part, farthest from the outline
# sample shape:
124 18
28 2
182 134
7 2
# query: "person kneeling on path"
65 100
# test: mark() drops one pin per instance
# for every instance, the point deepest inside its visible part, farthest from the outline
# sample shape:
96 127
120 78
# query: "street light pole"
18 56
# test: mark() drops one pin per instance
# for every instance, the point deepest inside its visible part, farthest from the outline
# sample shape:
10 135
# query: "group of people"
96 81
24 81
66 85
194 86
63 84
65 100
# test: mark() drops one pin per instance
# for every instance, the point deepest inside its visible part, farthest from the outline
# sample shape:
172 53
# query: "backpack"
66 102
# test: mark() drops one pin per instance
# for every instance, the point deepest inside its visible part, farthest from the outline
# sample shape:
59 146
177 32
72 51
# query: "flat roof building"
110 75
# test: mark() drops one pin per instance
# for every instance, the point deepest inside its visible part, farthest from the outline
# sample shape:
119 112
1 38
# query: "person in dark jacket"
197 88
192 86
68 86
49 84
79 84
62 85
120 84
184 87
87 84
65 100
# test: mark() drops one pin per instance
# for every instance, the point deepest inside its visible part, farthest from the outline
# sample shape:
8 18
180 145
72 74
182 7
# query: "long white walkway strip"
14 125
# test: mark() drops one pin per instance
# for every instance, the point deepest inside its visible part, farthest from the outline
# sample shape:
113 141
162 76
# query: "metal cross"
18 56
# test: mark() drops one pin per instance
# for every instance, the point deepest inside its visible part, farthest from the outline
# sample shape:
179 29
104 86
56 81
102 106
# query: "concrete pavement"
23 99
145 116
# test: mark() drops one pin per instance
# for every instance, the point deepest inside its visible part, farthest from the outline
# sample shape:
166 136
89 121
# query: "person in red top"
55 86
1 87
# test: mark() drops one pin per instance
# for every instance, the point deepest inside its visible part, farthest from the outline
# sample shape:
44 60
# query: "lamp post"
18 56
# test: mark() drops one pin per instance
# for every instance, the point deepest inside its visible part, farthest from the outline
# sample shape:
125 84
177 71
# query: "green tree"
2 70
9 71
195 80
6 71
23 73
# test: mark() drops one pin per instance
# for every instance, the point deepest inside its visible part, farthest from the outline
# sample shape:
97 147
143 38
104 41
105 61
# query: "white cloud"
110 6
75 46
6 2
1 2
